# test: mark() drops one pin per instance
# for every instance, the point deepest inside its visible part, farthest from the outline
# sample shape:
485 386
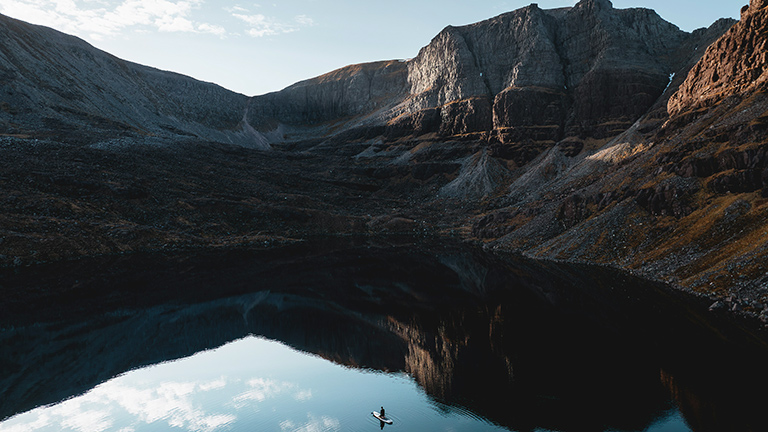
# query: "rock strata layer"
737 63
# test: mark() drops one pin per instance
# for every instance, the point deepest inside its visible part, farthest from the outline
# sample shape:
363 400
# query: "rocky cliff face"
52 84
736 64
524 80
586 71
680 195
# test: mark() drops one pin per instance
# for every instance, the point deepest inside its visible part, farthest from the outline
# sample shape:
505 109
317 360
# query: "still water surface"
251 384
259 385
315 338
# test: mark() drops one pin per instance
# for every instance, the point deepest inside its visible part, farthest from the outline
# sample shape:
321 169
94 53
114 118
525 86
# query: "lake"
315 337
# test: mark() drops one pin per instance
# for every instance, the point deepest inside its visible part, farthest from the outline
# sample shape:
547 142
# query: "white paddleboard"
384 419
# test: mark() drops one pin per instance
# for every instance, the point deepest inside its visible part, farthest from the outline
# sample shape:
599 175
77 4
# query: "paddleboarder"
381 417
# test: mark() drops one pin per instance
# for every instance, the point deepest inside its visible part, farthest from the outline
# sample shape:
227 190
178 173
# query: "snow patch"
671 77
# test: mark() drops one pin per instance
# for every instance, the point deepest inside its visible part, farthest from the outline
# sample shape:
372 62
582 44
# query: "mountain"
586 133
544 75
680 195
735 65
58 85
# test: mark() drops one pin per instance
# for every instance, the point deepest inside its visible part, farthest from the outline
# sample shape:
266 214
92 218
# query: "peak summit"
755 5
598 4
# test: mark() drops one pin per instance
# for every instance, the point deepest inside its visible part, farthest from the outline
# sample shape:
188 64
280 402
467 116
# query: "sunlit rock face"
736 64
695 159
462 354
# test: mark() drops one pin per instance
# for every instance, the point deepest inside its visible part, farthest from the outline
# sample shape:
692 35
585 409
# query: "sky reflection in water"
256 384
530 348
251 384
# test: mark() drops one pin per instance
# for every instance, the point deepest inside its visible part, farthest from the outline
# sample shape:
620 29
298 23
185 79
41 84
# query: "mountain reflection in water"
522 343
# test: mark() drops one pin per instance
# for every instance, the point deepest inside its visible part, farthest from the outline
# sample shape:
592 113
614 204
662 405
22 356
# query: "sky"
256 47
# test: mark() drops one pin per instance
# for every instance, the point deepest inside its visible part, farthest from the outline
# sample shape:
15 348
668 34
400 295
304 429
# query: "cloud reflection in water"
322 424
134 401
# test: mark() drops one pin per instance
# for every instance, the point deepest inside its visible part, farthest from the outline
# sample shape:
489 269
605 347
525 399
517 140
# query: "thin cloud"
262 25
237 9
254 20
175 404
99 20
172 24
212 29
304 20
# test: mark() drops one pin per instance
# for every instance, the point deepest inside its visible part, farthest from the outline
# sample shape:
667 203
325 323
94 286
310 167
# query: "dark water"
315 337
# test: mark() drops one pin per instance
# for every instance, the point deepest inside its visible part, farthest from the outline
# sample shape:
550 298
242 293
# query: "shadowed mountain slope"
57 85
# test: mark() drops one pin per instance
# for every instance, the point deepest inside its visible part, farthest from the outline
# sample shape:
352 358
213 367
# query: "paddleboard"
384 419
